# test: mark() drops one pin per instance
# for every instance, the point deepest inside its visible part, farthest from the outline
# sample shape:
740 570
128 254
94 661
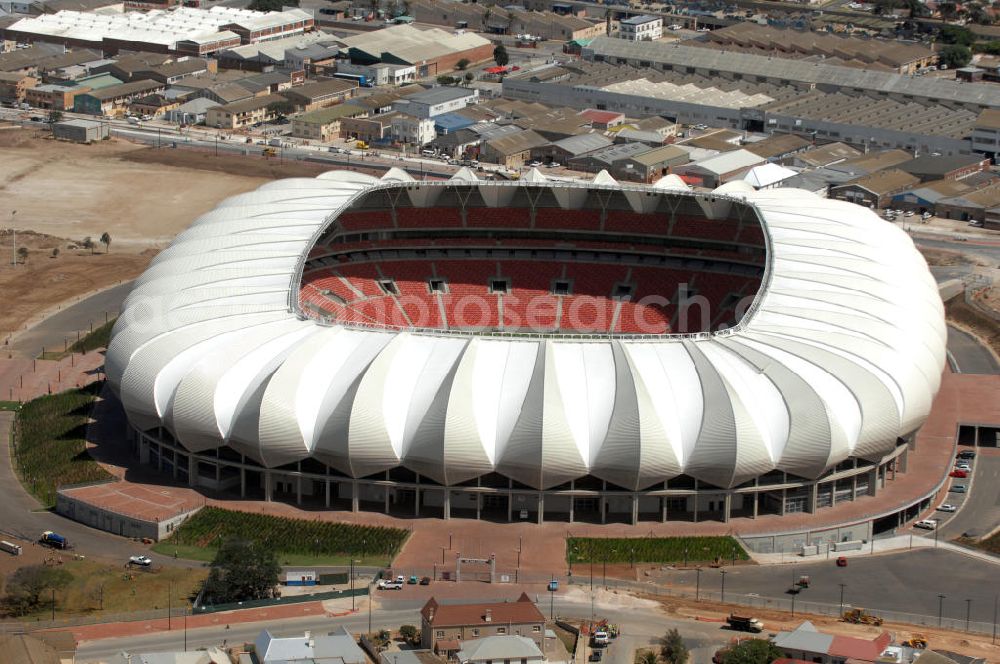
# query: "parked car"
958 488
841 561
926 215
595 655
553 585
908 213
392 585
413 581
958 473
926 524
966 454
963 466
400 579
947 507
425 581
600 639
142 561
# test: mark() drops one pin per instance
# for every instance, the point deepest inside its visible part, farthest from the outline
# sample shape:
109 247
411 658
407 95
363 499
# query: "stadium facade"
532 350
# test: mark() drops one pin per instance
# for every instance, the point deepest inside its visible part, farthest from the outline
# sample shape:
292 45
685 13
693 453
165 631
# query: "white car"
908 213
392 585
926 524
947 507
142 561
963 466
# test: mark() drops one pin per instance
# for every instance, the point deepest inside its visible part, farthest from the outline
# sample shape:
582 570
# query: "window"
388 286
436 286
536 628
439 634
475 632
501 630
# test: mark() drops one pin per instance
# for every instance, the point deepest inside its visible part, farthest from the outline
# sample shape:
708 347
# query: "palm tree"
106 241
648 657
22 253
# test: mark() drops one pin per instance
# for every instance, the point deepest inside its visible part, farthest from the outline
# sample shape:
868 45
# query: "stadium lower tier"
404 493
526 296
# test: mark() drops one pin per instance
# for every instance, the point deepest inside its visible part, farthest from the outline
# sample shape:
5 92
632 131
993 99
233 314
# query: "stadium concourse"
632 353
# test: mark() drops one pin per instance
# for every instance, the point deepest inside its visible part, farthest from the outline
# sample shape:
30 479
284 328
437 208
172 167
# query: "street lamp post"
697 584
723 594
794 593
352 584
842 586
940 609
968 612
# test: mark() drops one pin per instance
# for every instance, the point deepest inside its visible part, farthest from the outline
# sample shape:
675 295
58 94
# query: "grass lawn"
653 549
95 340
50 447
122 591
10 405
297 541
990 544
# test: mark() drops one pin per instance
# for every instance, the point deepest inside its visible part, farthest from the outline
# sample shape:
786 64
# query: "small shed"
300 577
81 131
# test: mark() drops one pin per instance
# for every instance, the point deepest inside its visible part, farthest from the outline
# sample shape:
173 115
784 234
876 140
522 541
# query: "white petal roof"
841 355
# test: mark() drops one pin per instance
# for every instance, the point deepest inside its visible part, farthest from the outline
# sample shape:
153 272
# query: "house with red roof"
808 644
444 626
602 119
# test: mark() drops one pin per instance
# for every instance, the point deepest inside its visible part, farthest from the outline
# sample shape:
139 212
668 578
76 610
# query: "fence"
292 599
794 604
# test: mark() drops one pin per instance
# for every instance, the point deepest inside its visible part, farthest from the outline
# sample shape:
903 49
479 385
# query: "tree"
106 241
500 55
949 10
88 244
55 252
647 657
955 56
55 116
444 79
462 64
27 585
281 108
22 253
410 633
672 648
242 570
752 651
956 34
469 77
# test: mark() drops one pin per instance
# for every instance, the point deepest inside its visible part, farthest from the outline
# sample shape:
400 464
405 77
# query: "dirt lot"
775 621
65 192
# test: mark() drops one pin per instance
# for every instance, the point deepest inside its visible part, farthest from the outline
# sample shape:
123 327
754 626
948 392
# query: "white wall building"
641 28
411 129
436 101
380 74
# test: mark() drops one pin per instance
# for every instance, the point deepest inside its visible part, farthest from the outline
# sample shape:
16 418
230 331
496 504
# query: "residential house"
807 643
244 113
875 190
444 626
213 655
512 150
321 94
338 646
406 128
371 129
323 125
721 168
14 86
114 99
507 648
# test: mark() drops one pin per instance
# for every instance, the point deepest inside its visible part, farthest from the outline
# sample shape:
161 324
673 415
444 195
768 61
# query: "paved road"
980 511
642 627
906 582
21 515
53 332
969 355
988 250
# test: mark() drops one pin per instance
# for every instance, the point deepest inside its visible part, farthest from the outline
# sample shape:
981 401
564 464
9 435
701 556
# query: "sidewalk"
875 547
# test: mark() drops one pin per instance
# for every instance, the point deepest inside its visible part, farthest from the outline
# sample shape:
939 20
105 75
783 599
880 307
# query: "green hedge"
50 446
652 549
212 525
99 338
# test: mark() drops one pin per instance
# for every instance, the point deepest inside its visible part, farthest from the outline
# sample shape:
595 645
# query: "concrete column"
663 509
327 494
218 473
903 460
635 508
416 501
572 499
813 495
192 470
159 459
143 450
174 464
355 498
756 501
479 506
541 507
873 481
447 503
696 496
784 501
604 508
385 500
510 506
268 486
854 488
243 482
833 493
727 507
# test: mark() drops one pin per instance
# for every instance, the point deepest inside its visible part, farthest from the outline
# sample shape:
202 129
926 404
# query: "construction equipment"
269 152
744 623
361 145
861 617
916 641
803 581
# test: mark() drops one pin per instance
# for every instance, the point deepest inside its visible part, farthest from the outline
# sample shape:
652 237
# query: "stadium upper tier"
838 356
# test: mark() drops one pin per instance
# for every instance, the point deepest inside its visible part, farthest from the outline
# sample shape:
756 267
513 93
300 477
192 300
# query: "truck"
744 623
10 547
54 540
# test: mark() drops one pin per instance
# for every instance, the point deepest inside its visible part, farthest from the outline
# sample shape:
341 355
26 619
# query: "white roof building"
767 175
499 649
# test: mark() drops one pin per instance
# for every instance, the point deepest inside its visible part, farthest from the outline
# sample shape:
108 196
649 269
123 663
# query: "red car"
958 473
841 561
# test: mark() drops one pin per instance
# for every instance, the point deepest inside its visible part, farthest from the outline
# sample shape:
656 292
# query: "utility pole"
170 591
185 631
53 605
13 254
968 612
352 583
842 586
723 595
369 608
995 597
697 585
940 609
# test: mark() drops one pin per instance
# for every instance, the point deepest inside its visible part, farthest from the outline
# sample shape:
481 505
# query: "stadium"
532 350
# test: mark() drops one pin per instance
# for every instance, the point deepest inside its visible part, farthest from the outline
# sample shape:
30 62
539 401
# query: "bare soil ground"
982 327
57 193
774 621
941 257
